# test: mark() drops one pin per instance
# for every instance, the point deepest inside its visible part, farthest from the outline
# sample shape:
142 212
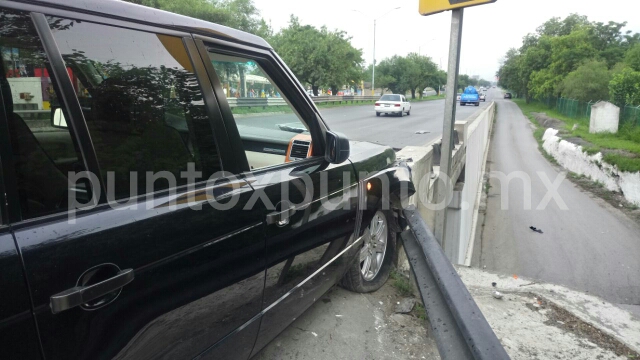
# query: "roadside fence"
582 110
278 101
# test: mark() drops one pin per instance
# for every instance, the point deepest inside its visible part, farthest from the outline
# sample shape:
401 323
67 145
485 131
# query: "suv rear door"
181 273
17 326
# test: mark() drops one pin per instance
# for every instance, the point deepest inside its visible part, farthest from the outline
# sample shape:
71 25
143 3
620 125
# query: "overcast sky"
488 32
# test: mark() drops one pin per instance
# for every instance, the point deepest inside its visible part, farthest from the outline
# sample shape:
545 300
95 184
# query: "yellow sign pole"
444 187
428 7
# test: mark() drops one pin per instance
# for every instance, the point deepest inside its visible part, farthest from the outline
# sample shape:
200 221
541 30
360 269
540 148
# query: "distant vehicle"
310 93
393 104
483 97
470 96
459 94
507 95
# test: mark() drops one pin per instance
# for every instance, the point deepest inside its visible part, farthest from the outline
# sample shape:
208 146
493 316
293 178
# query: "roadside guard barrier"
459 328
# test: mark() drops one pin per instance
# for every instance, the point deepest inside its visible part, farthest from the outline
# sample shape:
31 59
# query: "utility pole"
373 73
446 183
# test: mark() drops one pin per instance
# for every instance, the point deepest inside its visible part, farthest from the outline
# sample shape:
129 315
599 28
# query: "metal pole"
449 122
373 73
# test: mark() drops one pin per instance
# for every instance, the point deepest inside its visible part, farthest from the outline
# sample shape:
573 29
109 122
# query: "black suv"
151 203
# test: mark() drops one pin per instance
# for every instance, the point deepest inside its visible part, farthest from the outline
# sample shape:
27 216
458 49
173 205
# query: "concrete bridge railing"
463 194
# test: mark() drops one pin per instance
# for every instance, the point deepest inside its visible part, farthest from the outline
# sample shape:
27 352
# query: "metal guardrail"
459 328
340 99
278 101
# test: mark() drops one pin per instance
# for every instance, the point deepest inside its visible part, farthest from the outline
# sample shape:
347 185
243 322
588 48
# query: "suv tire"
361 277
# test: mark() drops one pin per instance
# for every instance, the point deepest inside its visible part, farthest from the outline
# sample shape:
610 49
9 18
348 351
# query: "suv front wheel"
373 266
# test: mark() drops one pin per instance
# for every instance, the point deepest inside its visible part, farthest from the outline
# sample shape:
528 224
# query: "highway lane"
360 123
589 246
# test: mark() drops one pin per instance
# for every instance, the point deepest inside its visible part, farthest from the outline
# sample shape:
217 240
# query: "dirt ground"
346 325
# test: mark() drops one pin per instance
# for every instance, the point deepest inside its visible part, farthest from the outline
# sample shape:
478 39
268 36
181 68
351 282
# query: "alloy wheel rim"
374 247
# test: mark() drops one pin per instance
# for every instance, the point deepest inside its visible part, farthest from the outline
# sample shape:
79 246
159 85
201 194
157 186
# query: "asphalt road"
360 122
590 246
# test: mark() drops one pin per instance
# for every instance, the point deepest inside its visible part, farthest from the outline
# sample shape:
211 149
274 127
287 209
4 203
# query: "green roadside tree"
421 72
463 81
238 14
304 49
344 61
589 82
391 74
318 57
632 58
558 47
624 88
484 83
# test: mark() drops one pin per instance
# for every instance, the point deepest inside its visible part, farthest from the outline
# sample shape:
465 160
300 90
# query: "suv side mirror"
57 118
337 150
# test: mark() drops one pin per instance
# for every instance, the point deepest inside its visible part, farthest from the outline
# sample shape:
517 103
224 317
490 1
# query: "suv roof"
142 14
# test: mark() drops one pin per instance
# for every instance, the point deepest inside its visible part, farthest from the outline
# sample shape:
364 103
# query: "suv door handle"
280 218
79 295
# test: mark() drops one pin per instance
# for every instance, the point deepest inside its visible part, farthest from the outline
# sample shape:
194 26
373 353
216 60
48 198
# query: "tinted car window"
42 155
142 104
390 98
267 122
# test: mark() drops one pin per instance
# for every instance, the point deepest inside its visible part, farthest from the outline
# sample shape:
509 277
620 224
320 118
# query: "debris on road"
497 294
405 305
422 132
494 284
539 231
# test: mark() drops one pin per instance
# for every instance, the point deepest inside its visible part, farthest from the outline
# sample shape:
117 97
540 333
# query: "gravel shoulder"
346 325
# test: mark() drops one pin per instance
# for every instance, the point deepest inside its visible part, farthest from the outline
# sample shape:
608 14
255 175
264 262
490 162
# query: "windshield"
390 98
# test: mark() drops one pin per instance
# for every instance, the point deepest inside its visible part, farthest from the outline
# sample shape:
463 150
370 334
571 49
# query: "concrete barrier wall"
477 147
469 158
573 158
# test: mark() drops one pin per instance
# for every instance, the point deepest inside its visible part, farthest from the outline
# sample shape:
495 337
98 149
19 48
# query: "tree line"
575 58
319 57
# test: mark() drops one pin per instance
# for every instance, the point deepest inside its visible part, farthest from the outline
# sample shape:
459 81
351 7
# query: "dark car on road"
507 96
144 216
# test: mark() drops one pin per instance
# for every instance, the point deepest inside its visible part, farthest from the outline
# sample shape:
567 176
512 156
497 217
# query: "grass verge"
627 138
539 131
419 311
401 283
615 199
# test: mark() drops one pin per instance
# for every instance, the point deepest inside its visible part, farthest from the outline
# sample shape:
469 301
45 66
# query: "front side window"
270 128
142 104
43 155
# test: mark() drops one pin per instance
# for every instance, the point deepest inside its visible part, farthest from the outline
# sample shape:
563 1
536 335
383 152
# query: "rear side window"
390 98
42 156
142 103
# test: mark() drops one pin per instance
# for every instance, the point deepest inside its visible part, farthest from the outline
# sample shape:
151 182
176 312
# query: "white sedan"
393 104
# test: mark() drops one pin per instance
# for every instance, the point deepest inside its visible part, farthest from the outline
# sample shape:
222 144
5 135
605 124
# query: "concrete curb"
573 158
603 315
